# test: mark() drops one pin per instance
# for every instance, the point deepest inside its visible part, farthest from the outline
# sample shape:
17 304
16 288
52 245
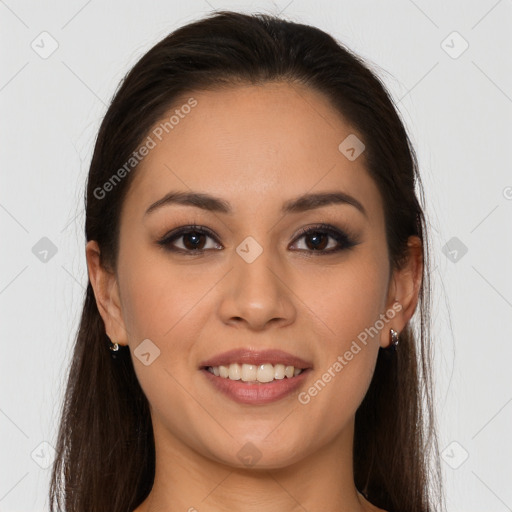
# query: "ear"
106 292
403 292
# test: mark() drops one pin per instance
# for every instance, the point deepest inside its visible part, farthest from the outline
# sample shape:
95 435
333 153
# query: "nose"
257 294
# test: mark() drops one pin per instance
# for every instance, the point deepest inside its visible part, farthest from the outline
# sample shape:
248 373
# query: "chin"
257 454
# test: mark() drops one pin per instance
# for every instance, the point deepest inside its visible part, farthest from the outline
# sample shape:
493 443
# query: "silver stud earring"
114 347
394 339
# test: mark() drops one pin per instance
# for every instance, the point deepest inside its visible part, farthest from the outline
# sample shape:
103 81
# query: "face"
241 273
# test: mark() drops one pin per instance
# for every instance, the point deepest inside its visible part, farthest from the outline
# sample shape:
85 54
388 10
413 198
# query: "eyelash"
344 241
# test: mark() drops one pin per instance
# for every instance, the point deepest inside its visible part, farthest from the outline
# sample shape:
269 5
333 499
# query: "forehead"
264 143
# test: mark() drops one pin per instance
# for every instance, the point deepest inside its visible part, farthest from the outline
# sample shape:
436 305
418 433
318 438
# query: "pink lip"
256 357
255 393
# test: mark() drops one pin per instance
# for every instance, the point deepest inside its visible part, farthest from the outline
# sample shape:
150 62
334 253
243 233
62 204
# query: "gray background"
457 105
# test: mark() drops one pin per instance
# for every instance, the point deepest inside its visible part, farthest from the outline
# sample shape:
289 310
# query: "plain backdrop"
447 66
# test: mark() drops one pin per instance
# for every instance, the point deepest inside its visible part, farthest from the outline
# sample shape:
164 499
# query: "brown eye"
188 239
317 239
193 240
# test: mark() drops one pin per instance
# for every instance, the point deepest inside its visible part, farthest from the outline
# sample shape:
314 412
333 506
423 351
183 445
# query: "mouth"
256 377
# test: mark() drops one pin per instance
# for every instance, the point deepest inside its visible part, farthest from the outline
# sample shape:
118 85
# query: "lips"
255 357
256 393
247 390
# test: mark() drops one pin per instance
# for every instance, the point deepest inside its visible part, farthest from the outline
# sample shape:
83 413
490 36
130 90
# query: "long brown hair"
105 448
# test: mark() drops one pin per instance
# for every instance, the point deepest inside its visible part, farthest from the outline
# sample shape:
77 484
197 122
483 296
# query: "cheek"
159 296
349 304
346 300
169 304
165 303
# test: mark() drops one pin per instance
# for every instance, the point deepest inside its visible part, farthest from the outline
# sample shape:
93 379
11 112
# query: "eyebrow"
302 203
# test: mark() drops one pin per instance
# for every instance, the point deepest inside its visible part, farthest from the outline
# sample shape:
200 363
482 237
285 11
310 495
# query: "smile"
255 373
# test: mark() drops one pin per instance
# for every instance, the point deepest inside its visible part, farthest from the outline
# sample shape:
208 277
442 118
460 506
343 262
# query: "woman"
256 251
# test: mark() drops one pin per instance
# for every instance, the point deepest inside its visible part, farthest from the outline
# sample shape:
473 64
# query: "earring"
394 340
114 347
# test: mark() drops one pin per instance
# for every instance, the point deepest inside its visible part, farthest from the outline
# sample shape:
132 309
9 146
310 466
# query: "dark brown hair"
105 449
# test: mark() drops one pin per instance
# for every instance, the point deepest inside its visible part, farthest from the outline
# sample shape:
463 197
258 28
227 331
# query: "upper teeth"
251 372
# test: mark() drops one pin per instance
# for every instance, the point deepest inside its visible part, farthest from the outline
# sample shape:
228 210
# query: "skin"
255 147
